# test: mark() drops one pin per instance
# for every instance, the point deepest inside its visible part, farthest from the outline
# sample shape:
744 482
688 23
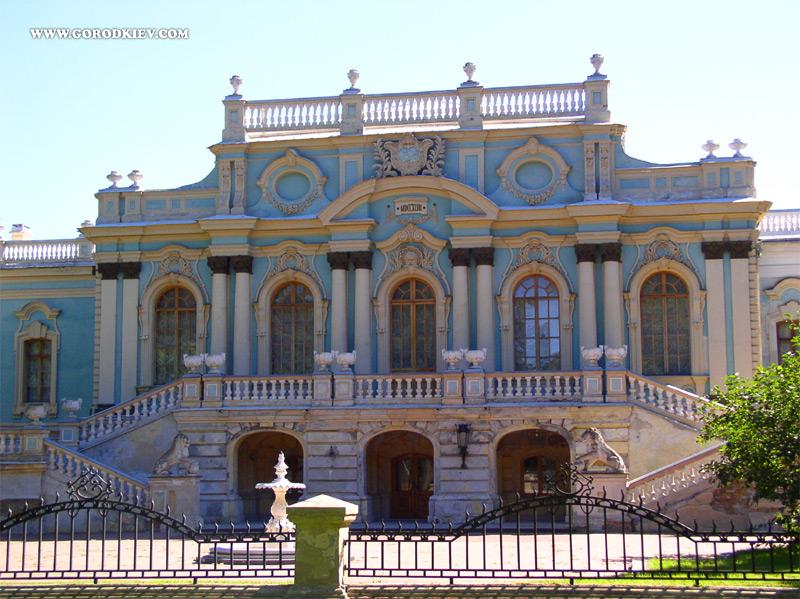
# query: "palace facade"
313 293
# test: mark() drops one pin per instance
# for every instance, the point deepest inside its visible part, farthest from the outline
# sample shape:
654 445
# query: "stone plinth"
180 493
614 484
453 391
322 523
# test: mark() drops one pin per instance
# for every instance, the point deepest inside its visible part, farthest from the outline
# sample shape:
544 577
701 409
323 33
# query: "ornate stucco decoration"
291 163
411 249
663 248
175 263
409 156
292 259
175 260
536 251
533 152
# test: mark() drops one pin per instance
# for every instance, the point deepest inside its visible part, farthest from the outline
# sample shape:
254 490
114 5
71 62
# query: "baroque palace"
428 301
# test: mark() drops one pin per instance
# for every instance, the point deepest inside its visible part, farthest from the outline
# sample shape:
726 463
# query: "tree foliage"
760 423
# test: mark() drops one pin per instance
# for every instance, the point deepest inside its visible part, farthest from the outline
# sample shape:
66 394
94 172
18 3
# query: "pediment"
474 204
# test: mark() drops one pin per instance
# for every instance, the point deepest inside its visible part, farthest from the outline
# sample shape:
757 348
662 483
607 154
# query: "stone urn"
323 360
615 356
194 363
345 360
279 522
452 357
215 363
35 412
71 406
591 355
475 357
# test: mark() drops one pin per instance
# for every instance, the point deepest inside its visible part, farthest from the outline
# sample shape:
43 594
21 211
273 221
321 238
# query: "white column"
362 326
130 344
219 304
460 260
587 305
612 294
338 262
243 267
740 296
484 300
108 325
717 332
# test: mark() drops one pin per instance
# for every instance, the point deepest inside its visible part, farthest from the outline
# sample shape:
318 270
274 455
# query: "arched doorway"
527 460
413 327
256 458
400 476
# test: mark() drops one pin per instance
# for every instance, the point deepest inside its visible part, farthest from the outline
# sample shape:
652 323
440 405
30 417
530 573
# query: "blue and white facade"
472 198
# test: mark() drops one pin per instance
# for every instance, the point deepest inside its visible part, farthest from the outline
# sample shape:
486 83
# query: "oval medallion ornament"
533 172
291 183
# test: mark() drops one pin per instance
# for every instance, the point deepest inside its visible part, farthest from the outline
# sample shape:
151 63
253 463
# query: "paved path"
114 591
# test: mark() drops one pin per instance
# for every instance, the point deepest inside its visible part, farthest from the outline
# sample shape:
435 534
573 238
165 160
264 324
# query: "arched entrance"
399 476
527 460
256 459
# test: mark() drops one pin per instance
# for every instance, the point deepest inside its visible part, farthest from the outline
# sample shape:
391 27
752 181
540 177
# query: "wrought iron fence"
94 535
570 533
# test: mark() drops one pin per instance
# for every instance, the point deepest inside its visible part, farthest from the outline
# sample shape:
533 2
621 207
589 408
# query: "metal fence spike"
183 518
732 526
483 508
694 524
168 510
247 524
714 526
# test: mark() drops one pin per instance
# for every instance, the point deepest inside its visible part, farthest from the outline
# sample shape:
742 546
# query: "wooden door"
412 486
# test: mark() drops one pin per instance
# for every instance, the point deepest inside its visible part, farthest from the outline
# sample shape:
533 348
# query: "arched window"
413 327
176 324
292 330
537 344
666 342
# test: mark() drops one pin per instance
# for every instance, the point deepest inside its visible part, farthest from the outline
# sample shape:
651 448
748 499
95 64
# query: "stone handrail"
293 115
777 223
535 101
45 252
672 401
419 107
534 386
11 443
126 415
659 484
422 387
528 102
273 390
71 464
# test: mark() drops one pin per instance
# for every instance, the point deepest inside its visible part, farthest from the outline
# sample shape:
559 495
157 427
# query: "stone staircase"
66 465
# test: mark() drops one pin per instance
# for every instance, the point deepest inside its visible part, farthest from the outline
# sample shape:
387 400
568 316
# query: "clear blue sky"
681 72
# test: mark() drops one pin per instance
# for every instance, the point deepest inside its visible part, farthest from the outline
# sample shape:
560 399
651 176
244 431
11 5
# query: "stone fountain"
280 486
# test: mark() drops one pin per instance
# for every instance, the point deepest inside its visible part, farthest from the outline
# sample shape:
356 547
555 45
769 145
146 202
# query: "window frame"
293 309
664 297
31 330
536 301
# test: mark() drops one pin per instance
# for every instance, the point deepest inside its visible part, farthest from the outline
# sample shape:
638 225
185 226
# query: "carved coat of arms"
409 156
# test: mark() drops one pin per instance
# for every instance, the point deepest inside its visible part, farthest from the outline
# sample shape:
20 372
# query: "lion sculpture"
599 454
177 455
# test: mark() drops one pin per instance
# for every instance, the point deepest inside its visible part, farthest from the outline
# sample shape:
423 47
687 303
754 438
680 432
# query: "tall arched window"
292 330
176 324
666 342
537 344
413 327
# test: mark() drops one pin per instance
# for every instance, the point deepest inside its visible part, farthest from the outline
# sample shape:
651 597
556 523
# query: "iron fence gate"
566 534
94 535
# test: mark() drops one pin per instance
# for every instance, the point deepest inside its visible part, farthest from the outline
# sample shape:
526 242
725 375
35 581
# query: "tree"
760 423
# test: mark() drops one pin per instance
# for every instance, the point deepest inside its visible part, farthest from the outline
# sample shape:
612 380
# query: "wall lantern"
462 438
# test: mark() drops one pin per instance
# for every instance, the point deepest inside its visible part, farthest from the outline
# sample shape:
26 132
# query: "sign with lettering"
411 207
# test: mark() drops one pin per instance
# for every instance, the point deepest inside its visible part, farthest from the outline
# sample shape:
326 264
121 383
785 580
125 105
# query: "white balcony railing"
534 386
267 391
45 252
780 223
393 388
530 102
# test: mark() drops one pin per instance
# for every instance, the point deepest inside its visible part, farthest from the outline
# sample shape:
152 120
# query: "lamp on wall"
462 439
